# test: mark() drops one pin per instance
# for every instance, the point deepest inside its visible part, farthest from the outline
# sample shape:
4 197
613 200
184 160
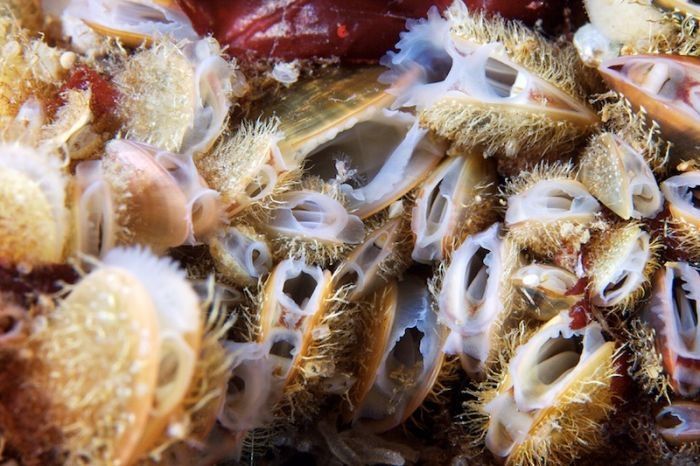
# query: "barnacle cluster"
485 251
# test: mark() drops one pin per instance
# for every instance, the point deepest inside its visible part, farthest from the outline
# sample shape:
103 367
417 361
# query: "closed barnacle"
140 195
548 403
240 254
489 84
453 202
33 216
176 96
667 88
619 263
682 193
544 290
672 313
548 209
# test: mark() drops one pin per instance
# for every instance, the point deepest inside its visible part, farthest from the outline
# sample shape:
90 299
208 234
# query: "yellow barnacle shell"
98 360
32 206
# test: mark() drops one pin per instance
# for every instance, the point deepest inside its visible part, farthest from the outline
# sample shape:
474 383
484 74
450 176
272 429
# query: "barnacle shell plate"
546 289
683 195
679 422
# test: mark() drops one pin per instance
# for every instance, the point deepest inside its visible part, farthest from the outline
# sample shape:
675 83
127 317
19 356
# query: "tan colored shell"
620 178
545 290
619 263
240 254
33 215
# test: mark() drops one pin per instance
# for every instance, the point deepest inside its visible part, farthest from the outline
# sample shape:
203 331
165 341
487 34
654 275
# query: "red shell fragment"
357 31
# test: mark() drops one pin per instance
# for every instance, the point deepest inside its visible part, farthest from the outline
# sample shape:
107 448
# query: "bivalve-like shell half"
683 195
619 263
667 87
620 178
454 201
33 215
404 359
673 313
553 397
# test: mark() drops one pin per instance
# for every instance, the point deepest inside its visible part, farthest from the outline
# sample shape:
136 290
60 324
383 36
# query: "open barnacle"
667 87
490 84
138 194
548 209
620 178
240 254
132 21
683 195
619 263
673 313
311 223
177 96
551 399
382 256
404 359
247 167
471 298
33 216
679 422
545 290
132 322
452 202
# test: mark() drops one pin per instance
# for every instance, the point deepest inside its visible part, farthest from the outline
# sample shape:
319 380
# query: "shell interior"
679 422
683 195
546 289
315 216
376 161
673 312
412 357
550 201
469 301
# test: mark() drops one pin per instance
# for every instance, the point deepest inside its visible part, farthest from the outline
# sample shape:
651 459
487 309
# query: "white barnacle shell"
682 192
315 216
450 202
673 313
404 360
470 303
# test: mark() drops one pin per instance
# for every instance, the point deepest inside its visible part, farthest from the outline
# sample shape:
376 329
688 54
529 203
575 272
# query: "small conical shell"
451 203
241 255
33 215
620 178
672 312
619 263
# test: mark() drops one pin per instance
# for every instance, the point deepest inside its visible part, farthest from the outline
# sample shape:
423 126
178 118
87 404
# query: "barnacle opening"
545 289
683 195
679 422
552 200
240 254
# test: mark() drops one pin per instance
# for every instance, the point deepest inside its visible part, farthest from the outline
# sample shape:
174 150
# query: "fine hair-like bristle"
157 89
685 237
646 365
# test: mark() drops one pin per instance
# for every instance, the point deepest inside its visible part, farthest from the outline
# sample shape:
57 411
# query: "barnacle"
140 195
548 209
547 403
490 84
672 312
544 290
453 202
679 422
619 263
404 360
474 297
240 254
33 216
666 86
682 193
176 96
